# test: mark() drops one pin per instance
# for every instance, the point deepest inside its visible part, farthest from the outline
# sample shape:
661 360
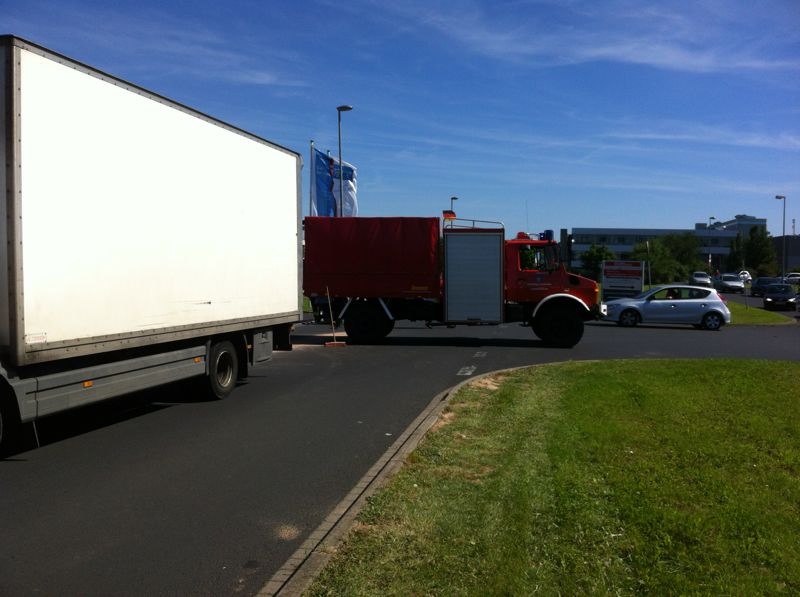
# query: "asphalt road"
164 494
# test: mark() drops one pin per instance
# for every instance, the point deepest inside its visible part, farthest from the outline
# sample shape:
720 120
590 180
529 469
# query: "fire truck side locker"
473 276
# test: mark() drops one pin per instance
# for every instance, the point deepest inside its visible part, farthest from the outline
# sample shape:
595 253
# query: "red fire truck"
371 272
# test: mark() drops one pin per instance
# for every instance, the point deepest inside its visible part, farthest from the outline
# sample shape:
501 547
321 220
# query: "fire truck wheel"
559 327
538 328
366 323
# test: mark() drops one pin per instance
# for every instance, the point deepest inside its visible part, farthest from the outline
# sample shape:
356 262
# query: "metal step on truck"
371 272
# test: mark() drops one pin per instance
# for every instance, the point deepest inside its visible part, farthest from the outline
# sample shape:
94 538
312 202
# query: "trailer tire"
387 325
223 369
10 426
560 327
365 322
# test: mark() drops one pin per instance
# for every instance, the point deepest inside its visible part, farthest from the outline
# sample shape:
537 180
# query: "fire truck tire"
366 323
223 369
538 328
560 327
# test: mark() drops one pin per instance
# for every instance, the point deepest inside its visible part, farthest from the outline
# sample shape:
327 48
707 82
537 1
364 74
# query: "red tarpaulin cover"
372 257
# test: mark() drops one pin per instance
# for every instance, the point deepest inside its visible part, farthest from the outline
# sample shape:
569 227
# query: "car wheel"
628 318
712 321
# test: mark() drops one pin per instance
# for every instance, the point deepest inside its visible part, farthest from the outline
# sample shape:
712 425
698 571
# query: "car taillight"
722 298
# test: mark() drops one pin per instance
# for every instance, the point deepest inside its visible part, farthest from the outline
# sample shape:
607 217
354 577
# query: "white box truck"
144 242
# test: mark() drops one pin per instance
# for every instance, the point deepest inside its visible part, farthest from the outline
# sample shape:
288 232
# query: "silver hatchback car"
694 305
700 279
729 283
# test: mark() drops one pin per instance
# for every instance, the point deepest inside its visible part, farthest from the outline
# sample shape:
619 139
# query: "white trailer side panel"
6 172
137 215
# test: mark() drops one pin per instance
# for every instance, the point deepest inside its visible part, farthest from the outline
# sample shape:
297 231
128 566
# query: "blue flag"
326 198
323 202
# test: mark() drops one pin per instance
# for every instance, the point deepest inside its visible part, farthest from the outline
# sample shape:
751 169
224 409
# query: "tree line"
674 257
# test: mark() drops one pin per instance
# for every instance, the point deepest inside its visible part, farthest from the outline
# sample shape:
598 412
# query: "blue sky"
541 114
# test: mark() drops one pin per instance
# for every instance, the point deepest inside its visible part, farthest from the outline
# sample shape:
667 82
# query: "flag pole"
311 181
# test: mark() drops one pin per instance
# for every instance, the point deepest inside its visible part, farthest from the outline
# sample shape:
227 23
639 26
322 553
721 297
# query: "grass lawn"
622 477
749 315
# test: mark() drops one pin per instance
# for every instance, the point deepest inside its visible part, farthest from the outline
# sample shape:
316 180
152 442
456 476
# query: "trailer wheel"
223 369
366 323
9 426
560 327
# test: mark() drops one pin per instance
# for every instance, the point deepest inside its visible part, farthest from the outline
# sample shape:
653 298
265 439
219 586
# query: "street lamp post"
339 110
783 256
709 242
452 200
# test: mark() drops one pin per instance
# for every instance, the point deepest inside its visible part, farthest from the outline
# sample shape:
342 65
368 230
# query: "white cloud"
708 135
162 42
692 36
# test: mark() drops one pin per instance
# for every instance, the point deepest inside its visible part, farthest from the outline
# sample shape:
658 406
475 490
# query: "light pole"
339 110
783 256
452 199
709 242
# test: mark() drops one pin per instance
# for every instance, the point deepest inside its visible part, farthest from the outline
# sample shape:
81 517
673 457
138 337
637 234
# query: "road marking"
468 370
479 355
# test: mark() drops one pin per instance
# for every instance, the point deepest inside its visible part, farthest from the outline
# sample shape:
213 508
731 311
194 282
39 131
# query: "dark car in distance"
780 296
760 285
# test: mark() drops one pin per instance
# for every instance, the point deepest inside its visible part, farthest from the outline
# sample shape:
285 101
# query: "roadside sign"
622 279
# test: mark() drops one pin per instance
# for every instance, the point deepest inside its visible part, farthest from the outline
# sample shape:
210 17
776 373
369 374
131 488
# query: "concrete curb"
300 570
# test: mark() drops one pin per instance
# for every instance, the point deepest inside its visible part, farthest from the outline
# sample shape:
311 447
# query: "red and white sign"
622 279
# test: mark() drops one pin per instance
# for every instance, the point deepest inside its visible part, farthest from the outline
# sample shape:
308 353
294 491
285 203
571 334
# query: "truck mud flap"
282 337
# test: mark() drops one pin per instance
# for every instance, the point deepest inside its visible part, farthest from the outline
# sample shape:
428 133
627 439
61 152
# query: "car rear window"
696 293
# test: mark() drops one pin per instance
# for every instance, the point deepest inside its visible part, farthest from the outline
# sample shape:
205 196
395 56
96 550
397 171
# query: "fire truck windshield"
538 258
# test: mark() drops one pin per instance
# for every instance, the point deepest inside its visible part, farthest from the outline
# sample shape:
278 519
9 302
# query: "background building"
792 251
715 237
